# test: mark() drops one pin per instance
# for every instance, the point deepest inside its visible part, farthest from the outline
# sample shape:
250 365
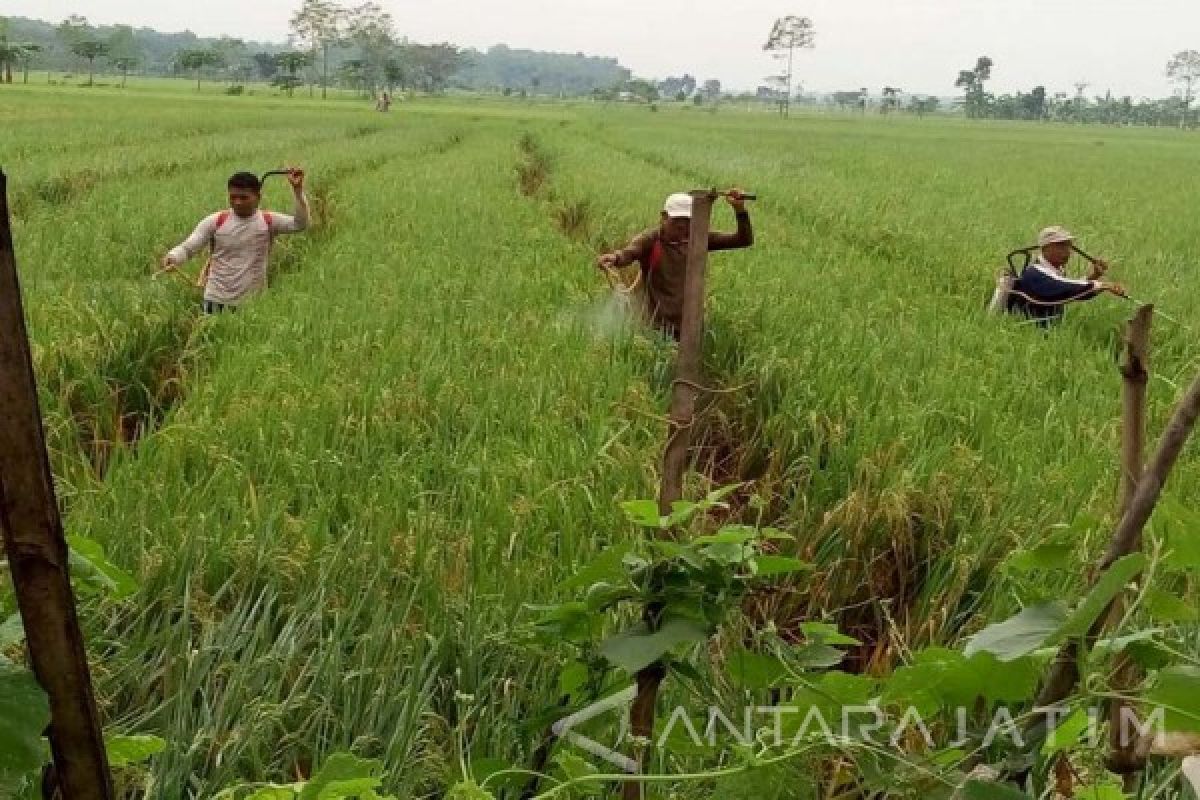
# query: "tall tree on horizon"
788 34
320 24
972 82
1184 69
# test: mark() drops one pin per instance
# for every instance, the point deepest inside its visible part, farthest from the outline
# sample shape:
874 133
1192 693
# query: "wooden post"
690 359
1124 758
1064 670
37 552
679 440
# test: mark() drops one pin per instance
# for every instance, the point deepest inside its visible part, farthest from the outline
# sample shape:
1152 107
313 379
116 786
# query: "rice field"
343 504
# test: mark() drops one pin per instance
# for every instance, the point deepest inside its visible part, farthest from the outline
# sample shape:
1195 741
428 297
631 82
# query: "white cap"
678 206
1054 235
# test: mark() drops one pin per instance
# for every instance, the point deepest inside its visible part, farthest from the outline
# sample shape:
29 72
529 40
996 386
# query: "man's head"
245 192
1056 243
677 218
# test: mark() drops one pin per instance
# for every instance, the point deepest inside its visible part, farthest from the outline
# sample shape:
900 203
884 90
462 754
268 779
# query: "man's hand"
607 261
295 177
1099 267
1112 288
736 199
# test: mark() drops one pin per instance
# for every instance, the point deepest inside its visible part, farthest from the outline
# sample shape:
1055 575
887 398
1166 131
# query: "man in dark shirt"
1043 290
662 255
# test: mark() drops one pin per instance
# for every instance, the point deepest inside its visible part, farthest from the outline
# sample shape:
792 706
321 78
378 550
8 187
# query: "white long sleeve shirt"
241 248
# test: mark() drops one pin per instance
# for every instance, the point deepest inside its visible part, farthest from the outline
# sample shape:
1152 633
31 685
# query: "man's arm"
1051 290
193 244
635 250
282 223
744 237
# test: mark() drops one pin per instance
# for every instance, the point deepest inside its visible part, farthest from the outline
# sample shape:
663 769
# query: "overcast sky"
918 45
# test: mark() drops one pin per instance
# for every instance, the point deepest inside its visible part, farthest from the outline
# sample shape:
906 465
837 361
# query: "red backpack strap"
267 219
656 255
222 218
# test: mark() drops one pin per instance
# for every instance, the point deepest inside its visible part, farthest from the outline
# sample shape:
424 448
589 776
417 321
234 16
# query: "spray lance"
175 268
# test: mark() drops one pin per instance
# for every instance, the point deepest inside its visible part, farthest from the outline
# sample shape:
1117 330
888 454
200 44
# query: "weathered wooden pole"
1064 670
1124 757
37 552
691 355
684 392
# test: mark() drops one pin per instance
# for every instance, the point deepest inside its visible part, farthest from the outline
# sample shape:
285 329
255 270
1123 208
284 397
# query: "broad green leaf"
607 566
1163 606
351 789
1180 529
1109 790
24 714
341 768
570 621
1111 583
769 566
1046 556
826 633
829 698
91 566
1067 734
468 790
275 791
572 678
729 535
603 595
1005 682
817 655
1150 655
643 513
1177 691
124 751
986 790
635 650
681 512
1020 635
750 670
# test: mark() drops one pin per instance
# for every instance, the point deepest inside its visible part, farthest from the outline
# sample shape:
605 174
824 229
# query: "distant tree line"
1183 70
331 46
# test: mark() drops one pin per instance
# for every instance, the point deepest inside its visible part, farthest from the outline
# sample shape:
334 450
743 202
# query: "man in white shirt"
240 241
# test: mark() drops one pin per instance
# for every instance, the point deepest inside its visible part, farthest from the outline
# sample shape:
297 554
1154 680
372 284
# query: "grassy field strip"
47 185
109 343
864 408
382 461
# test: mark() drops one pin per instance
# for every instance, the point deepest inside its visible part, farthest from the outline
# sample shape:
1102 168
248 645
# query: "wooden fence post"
1124 757
1064 669
37 552
684 392
688 365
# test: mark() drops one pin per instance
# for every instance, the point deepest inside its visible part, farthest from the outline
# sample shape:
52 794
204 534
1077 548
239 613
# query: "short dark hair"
245 180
